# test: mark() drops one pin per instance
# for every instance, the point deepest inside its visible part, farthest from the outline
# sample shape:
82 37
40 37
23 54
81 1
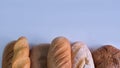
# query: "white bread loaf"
81 56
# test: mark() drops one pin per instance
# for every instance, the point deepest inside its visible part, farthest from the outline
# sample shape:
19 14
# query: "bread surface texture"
8 55
38 56
17 54
107 57
59 54
81 56
21 54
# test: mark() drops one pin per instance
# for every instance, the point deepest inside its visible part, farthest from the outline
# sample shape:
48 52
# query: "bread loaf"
38 56
8 55
107 57
81 56
17 54
59 54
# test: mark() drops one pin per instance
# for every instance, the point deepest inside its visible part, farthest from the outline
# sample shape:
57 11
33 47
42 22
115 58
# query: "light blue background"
95 22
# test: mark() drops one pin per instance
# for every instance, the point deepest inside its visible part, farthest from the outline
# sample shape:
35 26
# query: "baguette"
59 54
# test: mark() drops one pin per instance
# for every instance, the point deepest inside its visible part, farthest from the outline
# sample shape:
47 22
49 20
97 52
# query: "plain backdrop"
95 22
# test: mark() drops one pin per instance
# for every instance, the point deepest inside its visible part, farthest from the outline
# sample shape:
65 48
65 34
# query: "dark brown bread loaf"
7 55
38 56
107 57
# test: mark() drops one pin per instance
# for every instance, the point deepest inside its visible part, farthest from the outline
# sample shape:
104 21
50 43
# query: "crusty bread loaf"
59 54
21 54
17 54
81 56
7 55
38 56
106 57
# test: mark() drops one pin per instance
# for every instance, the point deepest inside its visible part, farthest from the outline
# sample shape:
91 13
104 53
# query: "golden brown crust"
38 56
59 55
21 54
16 54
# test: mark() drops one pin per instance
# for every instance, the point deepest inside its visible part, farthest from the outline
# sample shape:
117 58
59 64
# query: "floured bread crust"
59 54
38 56
81 56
